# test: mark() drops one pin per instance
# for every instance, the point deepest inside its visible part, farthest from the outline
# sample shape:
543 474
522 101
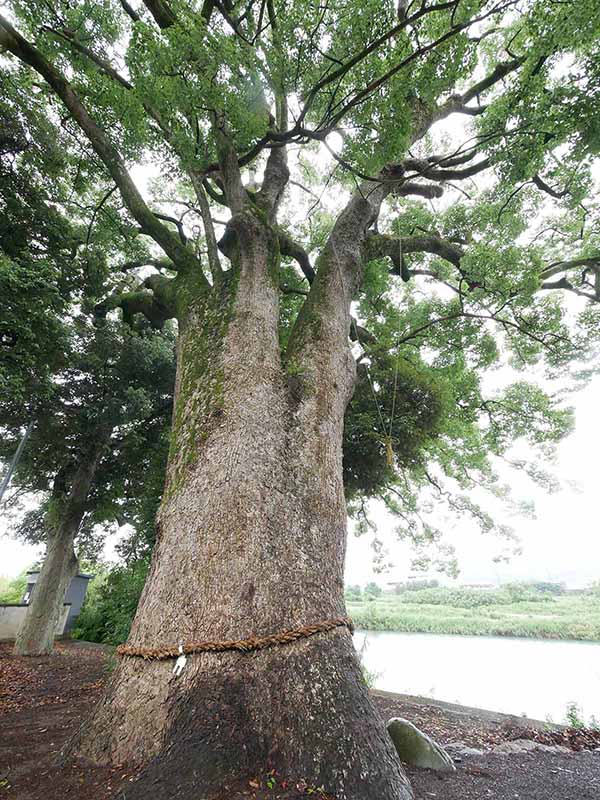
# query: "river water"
536 677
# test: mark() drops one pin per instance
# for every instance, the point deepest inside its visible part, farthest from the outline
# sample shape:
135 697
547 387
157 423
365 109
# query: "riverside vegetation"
542 611
534 610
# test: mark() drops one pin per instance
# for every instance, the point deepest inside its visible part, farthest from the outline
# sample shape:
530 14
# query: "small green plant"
271 780
574 716
294 369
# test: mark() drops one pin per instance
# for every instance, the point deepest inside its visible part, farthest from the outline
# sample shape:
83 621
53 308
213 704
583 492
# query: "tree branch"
214 261
141 301
379 245
288 247
560 266
108 154
130 11
162 13
428 190
427 170
158 263
277 174
541 184
499 72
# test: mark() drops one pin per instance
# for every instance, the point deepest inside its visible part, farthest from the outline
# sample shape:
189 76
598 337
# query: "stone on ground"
416 748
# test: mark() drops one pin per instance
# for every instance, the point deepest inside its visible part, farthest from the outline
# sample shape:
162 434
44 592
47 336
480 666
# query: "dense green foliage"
11 590
111 379
415 586
110 604
482 613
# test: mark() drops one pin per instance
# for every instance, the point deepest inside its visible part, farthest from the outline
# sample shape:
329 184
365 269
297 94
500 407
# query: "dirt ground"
44 700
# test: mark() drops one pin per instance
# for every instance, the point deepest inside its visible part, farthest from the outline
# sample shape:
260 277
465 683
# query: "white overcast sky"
561 543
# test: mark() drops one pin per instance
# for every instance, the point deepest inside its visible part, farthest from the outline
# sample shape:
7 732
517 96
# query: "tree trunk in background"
36 635
251 540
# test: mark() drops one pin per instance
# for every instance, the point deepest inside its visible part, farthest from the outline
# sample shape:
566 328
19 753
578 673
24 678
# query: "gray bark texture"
37 633
251 540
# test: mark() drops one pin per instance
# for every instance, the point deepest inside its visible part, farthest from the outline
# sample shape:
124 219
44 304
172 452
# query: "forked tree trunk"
251 540
37 633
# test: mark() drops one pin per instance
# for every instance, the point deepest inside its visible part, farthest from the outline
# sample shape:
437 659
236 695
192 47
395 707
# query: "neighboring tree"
353 592
97 437
373 590
99 399
342 99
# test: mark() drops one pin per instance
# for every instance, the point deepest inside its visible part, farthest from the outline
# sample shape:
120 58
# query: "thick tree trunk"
251 540
36 635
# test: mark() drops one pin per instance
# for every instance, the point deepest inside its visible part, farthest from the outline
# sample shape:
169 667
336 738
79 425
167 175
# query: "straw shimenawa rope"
242 645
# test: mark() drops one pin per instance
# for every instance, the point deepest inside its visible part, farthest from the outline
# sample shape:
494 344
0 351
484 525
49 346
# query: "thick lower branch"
380 245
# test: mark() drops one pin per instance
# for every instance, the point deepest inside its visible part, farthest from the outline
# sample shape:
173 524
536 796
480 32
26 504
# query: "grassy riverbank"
553 617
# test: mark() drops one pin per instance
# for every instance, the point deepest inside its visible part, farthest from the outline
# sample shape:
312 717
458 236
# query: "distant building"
488 587
75 594
421 581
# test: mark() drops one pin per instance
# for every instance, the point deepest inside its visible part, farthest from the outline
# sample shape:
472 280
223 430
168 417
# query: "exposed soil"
43 700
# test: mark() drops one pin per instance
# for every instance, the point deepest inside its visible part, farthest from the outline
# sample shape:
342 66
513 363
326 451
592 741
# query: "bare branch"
428 190
561 266
427 170
499 72
277 174
541 184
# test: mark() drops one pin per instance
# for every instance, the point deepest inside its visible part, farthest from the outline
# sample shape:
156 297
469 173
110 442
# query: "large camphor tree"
241 107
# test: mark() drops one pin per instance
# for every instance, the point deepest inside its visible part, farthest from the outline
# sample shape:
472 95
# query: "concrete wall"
11 617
